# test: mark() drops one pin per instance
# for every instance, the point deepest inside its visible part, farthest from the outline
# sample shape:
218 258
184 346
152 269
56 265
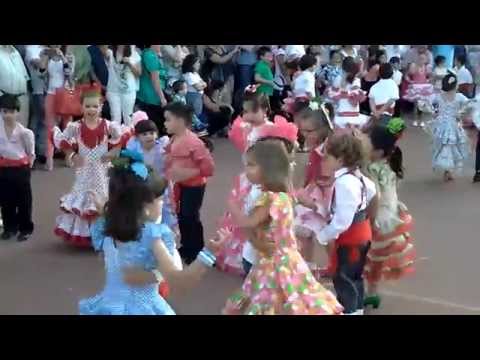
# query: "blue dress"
450 142
118 298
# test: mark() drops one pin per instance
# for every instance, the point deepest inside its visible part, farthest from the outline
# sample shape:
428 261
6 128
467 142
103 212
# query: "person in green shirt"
263 71
153 80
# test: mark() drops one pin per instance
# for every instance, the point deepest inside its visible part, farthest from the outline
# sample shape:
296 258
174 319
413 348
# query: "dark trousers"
217 120
477 154
190 226
348 280
37 123
16 199
155 113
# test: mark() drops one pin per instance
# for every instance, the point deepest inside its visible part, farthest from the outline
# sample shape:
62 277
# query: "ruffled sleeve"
66 139
202 157
161 232
238 134
97 234
114 134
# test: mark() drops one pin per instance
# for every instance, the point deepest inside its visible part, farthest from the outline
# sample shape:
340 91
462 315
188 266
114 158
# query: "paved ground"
43 276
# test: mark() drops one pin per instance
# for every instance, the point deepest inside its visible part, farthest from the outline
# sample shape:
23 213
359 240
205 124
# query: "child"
439 72
17 154
397 77
263 71
146 142
135 247
391 253
419 89
349 229
464 76
89 145
450 144
280 282
304 84
188 165
215 113
179 95
195 84
246 130
331 71
347 95
383 95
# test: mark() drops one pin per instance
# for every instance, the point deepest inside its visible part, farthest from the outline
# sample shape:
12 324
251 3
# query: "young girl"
245 132
134 246
391 253
280 282
146 142
450 143
195 84
347 95
180 92
86 145
419 89
331 71
17 154
349 229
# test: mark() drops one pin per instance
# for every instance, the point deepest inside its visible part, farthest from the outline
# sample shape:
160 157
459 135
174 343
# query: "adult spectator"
473 57
195 84
246 60
215 113
151 97
14 78
99 71
446 51
219 66
173 56
83 64
33 60
294 52
124 69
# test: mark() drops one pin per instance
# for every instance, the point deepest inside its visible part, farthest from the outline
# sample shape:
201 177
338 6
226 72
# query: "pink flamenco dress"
281 284
419 90
243 135
78 206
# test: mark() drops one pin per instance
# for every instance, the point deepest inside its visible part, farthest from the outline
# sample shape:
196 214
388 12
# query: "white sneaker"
422 124
415 123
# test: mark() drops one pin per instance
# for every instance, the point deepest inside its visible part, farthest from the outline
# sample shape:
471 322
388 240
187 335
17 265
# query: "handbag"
68 101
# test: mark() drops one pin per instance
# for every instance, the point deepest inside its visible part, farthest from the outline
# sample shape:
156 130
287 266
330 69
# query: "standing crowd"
137 122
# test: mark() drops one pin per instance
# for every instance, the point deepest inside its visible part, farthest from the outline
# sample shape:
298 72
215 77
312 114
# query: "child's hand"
77 161
215 244
138 277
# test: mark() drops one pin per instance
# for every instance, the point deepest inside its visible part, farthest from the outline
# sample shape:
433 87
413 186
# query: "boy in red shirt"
188 165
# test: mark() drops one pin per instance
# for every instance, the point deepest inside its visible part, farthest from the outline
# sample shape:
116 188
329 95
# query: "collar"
341 172
3 134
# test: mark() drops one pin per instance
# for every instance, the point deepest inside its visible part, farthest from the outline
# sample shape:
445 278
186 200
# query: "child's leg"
8 197
190 226
24 201
128 103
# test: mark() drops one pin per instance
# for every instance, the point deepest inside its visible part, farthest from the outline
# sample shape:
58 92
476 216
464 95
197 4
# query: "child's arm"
259 215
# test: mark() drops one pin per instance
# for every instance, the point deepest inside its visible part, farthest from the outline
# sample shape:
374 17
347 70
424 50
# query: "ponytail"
395 161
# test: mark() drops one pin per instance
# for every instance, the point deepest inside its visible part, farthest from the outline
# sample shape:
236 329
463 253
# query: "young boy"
263 71
179 95
17 154
383 95
304 84
188 165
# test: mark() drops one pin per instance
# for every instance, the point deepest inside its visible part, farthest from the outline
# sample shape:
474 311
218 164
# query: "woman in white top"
59 66
124 70
195 84
304 84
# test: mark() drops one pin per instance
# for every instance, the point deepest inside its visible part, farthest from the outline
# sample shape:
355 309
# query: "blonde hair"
274 161
352 147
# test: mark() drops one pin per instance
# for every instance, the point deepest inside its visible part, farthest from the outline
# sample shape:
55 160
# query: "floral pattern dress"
392 254
281 284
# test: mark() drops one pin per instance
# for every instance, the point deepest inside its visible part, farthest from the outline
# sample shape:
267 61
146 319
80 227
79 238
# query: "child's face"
154 210
92 107
253 117
196 66
333 163
147 139
309 132
9 115
252 169
268 57
173 124
441 64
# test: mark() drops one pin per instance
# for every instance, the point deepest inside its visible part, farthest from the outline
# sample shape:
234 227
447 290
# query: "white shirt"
56 75
120 77
348 201
249 253
294 51
384 90
20 145
304 84
32 53
464 76
192 79
13 74
439 72
278 78
397 77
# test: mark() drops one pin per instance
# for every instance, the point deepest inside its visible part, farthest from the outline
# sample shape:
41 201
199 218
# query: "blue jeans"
37 123
195 100
245 76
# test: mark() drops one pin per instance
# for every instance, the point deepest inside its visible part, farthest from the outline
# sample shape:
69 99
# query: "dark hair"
127 51
274 162
461 58
258 101
349 148
372 62
379 53
9 102
213 86
382 139
319 120
188 62
128 195
263 50
351 68
394 60
145 126
306 62
386 71
447 84
177 86
439 59
333 52
183 111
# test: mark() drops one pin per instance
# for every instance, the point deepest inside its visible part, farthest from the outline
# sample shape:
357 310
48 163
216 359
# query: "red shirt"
189 152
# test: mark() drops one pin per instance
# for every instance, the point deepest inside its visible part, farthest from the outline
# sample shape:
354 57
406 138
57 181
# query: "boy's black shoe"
476 177
7 235
23 236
